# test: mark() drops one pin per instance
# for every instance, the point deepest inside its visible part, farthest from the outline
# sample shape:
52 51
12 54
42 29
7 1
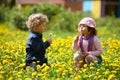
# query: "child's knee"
76 56
89 58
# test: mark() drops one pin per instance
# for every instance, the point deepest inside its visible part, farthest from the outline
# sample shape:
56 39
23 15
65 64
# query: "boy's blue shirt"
35 47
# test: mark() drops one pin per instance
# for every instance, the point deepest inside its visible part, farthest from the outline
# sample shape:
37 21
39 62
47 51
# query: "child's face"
83 29
41 28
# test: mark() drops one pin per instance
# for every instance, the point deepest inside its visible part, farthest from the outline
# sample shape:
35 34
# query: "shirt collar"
36 33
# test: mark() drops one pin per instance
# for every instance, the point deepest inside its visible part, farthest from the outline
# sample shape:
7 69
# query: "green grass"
102 32
59 55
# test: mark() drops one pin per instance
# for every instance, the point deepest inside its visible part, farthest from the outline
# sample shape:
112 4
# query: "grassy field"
60 56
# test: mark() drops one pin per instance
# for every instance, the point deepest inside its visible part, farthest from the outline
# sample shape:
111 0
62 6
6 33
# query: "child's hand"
85 54
50 40
76 38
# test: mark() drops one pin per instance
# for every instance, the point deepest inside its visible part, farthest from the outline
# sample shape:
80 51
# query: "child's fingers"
49 40
76 38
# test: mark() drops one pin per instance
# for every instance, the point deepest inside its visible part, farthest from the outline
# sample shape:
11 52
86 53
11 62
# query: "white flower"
50 34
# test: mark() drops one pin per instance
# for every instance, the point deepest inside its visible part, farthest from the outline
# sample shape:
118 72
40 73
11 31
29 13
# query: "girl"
89 45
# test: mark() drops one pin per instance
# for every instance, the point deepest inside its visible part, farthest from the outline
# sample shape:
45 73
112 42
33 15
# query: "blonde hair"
35 20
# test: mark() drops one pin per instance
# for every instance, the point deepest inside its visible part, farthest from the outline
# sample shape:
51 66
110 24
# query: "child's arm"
75 46
48 42
98 48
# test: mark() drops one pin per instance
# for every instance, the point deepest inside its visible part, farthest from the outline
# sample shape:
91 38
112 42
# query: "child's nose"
81 27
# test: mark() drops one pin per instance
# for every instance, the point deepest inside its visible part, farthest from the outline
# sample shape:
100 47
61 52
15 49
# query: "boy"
35 47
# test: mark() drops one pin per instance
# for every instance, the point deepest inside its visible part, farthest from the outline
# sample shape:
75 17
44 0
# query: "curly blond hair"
36 20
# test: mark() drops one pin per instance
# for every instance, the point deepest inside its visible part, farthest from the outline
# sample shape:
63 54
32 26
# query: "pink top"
96 49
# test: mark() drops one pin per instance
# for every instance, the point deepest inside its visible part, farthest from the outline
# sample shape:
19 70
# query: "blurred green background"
61 20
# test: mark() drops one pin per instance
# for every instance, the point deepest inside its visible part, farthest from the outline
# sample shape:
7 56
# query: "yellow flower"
22 65
40 75
91 64
77 77
34 74
27 79
97 73
98 69
19 73
59 70
99 76
63 74
5 61
1 67
96 61
91 67
58 79
38 67
111 76
90 76
85 65
10 78
106 72
114 72
46 68
85 76
70 70
80 61
28 68
33 62
1 78
84 70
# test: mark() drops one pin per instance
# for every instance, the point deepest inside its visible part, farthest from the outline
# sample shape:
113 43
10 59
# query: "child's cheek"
79 29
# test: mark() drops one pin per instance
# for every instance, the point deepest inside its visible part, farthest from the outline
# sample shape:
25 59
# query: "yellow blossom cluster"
60 58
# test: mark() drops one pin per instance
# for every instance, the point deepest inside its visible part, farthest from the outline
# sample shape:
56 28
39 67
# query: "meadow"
60 57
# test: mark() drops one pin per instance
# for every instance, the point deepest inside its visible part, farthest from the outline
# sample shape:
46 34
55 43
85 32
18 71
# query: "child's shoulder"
32 35
96 38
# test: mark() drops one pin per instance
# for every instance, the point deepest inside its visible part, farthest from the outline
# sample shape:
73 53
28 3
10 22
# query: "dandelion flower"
50 34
